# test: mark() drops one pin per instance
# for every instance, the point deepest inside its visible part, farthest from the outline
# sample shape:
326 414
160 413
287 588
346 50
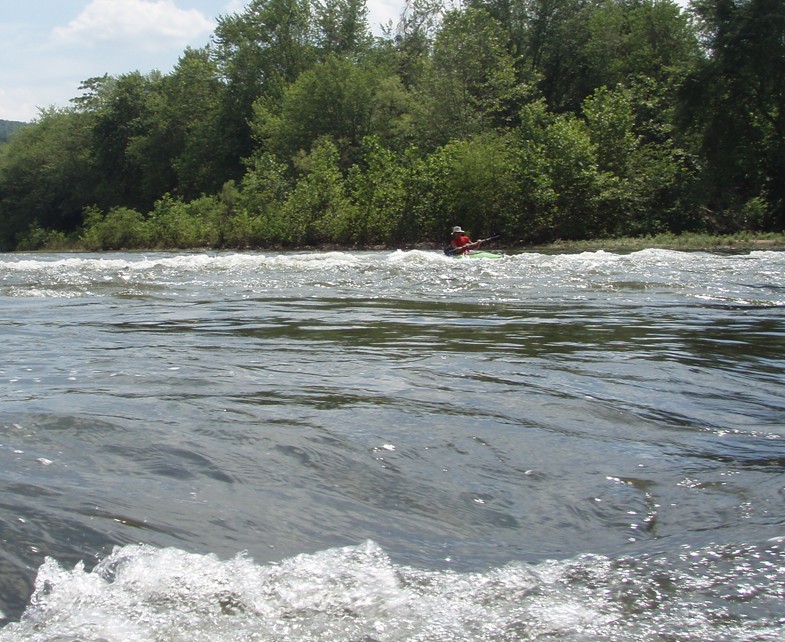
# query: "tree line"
536 119
8 127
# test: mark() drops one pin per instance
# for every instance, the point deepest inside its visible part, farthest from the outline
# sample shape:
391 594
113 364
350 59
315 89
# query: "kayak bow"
479 255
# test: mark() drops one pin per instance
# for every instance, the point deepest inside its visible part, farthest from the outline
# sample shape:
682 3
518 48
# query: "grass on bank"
669 241
49 241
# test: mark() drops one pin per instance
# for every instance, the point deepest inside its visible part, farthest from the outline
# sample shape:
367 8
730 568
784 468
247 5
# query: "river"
392 445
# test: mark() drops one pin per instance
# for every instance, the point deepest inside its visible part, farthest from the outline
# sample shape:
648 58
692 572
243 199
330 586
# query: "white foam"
404 273
141 593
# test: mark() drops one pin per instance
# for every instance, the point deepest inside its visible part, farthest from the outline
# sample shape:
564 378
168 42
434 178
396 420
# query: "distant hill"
8 127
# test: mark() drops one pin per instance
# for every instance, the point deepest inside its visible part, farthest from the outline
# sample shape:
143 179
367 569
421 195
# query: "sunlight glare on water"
392 446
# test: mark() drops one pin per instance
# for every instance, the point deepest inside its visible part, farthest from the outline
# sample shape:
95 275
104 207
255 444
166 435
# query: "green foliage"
264 190
642 180
119 128
7 128
120 229
38 238
174 224
411 41
621 160
265 185
553 36
538 207
574 176
184 130
341 27
258 53
470 83
473 182
610 119
651 39
381 195
543 120
334 99
734 101
580 46
318 209
45 175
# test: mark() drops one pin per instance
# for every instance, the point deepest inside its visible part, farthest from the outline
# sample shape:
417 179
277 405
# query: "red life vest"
460 242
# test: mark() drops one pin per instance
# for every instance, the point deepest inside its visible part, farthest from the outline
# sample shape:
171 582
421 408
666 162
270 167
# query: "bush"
318 209
380 194
174 224
473 183
37 238
120 229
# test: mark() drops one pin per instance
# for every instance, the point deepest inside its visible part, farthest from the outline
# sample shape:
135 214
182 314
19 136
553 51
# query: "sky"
48 47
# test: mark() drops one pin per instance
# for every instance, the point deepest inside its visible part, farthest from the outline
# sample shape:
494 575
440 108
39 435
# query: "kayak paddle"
449 251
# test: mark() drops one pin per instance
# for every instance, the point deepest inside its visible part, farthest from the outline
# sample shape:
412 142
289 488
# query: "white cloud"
236 6
18 104
158 24
380 12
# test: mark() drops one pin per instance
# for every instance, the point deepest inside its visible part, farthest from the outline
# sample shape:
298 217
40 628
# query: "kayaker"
461 241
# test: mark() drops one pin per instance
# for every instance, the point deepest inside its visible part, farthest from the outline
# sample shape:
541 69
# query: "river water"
384 446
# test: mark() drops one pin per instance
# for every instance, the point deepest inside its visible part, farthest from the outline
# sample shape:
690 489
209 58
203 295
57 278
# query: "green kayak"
480 255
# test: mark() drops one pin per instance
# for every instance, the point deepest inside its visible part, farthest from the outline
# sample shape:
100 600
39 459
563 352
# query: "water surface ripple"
392 446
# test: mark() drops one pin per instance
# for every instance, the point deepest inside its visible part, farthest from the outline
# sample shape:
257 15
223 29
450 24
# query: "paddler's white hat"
457 230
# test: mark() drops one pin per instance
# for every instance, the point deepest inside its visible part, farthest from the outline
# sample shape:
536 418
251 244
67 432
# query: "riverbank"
691 241
730 242
739 242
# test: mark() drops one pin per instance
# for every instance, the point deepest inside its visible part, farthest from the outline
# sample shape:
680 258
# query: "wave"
112 263
749 280
141 593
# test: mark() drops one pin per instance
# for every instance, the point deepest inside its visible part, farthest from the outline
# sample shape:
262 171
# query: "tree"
7 128
552 42
45 175
120 229
571 166
192 96
631 38
470 84
475 182
413 37
639 179
379 188
258 53
121 124
318 209
341 27
579 46
337 99
735 101
514 16
265 188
